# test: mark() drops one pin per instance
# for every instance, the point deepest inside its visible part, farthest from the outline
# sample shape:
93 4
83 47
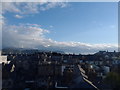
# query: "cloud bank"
29 7
33 36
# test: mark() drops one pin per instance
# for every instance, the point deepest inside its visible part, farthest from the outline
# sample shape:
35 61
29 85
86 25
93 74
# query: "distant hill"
23 50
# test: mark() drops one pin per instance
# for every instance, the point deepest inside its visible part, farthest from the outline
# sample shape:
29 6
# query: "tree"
113 79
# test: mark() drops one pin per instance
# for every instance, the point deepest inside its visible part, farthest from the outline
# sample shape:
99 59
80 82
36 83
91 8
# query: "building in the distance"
3 60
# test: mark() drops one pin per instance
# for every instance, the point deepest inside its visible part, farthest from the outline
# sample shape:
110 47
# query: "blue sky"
85 22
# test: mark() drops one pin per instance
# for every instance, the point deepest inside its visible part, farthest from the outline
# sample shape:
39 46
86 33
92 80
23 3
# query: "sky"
72 27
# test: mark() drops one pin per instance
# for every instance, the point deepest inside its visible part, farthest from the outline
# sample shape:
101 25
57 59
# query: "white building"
3 59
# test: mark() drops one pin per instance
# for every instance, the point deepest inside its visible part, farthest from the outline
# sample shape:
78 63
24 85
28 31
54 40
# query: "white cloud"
34 25
18 16
52 5
15 36
113 26
30 7
51 26
1 20
60 0
9 7
33 36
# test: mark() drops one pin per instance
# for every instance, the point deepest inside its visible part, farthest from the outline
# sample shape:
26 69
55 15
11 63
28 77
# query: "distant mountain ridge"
26 50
